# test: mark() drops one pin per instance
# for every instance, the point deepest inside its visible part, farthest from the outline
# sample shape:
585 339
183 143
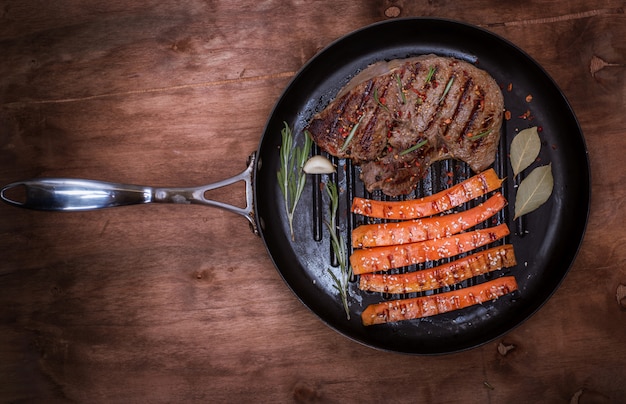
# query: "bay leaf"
534 190
525 148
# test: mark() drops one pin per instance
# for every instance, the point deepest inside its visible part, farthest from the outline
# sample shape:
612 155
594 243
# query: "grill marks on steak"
452 107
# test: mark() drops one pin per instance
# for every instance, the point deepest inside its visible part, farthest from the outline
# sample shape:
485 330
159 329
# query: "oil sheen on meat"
396 118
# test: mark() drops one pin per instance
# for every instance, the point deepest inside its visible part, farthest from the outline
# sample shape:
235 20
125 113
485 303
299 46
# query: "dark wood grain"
182 303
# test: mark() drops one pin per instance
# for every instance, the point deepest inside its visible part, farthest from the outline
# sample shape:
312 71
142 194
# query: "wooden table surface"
166 303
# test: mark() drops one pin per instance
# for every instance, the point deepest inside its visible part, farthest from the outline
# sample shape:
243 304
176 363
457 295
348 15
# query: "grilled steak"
397 118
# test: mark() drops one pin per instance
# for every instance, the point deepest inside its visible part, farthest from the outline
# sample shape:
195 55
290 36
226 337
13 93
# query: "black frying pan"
546 241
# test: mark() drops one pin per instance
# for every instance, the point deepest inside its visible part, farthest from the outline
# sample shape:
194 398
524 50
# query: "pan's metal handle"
65 194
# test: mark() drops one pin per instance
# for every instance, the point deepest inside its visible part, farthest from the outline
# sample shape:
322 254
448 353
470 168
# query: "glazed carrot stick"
408 309
448 274
395 256
456 195
411 231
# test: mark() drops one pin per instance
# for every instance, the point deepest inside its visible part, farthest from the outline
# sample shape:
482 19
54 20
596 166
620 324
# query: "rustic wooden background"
182 303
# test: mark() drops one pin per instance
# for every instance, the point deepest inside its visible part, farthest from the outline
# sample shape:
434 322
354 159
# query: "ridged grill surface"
441 175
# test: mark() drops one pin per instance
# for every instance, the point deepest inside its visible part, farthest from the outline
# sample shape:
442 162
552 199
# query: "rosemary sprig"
447 89
414 147
351 135
431 72
399 82
481 134
291 178
339 247
378 100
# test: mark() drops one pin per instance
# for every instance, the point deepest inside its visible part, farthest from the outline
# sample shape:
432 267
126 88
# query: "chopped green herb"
399 82
378 100
351 135
447 89
414 147
481 134
431 73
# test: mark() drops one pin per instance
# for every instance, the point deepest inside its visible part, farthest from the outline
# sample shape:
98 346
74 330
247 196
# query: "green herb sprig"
447 89
291 178
351 135
378 100
399 83
480 135
429 77
414 147
339 248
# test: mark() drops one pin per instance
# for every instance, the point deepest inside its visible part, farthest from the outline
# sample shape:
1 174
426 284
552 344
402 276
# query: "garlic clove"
318 165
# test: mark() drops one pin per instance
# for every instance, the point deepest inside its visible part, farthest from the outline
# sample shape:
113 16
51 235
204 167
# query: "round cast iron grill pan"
546 241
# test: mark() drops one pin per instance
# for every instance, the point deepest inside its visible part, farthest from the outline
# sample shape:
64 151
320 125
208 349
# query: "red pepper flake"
382 100
554 147
509 87
529 98
507 115
539 129
525 115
